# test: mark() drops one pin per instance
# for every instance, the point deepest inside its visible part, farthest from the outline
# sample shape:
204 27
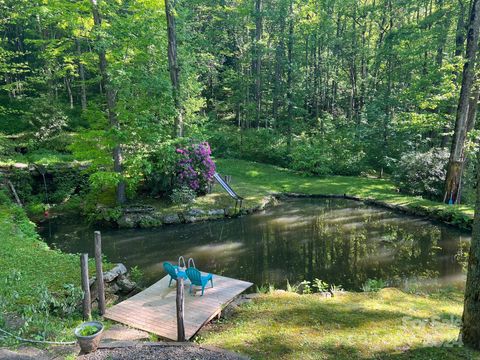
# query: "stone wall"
147 217
117 285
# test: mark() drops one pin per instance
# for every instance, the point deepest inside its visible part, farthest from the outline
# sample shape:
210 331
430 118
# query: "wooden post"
87 306
180 310
99 271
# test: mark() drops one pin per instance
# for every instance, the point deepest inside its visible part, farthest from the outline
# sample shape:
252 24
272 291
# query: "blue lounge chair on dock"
174 271
196 278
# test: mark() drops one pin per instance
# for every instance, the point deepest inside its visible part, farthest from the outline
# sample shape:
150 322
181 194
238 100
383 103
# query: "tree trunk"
457 153
111 104
258 60
290 80
470 332
173 65
279 61
69 90
81 72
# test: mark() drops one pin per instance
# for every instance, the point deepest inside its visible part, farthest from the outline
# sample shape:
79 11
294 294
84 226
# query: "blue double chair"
191 273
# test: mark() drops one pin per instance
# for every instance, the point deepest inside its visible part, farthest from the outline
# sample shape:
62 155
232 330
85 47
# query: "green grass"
39 157
389 324
32 279
255 181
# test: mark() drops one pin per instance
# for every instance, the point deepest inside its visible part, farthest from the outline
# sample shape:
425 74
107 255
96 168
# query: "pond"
342 242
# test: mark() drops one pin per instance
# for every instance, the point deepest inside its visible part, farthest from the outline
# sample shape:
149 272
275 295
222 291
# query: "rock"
191 219
171 219
195 213
111 275
125 284
216 212
127 221
111 298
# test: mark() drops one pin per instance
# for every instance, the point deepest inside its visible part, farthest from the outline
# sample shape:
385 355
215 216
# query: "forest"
119 105
323 87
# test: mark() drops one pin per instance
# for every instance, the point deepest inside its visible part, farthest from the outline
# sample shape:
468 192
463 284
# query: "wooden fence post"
99 271
87 305
180 310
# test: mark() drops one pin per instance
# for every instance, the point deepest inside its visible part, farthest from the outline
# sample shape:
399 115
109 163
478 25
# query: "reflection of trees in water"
350 252
339 242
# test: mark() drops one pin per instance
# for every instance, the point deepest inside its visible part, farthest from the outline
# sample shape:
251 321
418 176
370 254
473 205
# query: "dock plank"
154 309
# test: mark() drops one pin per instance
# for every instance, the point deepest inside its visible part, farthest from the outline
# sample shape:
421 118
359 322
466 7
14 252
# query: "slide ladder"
229 190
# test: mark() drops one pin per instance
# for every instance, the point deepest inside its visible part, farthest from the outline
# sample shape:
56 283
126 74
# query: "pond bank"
262 185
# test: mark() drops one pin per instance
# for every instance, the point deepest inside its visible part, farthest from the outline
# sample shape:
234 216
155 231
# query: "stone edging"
150 219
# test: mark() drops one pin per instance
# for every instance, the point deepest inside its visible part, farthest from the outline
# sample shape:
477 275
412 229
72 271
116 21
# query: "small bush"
183 196
320 285
373 285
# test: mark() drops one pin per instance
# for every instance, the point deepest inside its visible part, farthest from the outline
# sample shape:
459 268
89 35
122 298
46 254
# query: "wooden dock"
154 309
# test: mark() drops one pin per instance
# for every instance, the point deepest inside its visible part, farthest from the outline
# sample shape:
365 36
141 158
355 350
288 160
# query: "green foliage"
136 274
305 287
373 285
89 330
311 157
47 304
320 285
424 173
183 196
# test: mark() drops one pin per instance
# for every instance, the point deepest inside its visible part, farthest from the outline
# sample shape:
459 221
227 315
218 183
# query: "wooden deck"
154 309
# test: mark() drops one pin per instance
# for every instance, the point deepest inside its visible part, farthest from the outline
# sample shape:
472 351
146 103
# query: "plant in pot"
89 335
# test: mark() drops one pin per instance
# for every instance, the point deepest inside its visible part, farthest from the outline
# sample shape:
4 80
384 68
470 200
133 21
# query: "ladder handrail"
227 187
181 258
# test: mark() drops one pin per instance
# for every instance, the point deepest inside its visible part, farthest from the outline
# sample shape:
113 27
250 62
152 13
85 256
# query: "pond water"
339 241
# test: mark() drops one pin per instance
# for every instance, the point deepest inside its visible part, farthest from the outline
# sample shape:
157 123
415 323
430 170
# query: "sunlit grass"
255 182
384 325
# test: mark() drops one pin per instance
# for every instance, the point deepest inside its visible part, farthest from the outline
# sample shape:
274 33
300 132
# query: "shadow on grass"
431 352
280 347
337 315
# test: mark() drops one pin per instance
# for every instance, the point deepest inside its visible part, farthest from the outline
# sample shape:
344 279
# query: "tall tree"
111 104
457 152
257 61
470 332
173 65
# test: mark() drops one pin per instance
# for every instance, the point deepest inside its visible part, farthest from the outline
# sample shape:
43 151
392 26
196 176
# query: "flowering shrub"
195 168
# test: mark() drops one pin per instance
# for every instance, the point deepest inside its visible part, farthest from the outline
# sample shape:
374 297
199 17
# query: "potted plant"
89 335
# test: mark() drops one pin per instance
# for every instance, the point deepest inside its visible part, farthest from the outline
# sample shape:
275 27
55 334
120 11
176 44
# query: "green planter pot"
89 343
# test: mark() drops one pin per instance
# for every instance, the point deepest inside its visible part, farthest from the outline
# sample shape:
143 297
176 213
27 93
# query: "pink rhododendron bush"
195 169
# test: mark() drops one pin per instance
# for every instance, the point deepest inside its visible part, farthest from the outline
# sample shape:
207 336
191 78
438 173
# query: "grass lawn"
32 279
389 324
254 181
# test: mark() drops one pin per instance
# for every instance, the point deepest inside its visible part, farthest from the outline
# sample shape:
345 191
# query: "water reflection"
339 241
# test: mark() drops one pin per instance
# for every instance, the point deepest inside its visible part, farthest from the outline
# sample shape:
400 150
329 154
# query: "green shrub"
183 196
311 157
320 285
422 173
373 285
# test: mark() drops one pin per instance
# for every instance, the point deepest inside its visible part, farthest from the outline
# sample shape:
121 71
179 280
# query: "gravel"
160 352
